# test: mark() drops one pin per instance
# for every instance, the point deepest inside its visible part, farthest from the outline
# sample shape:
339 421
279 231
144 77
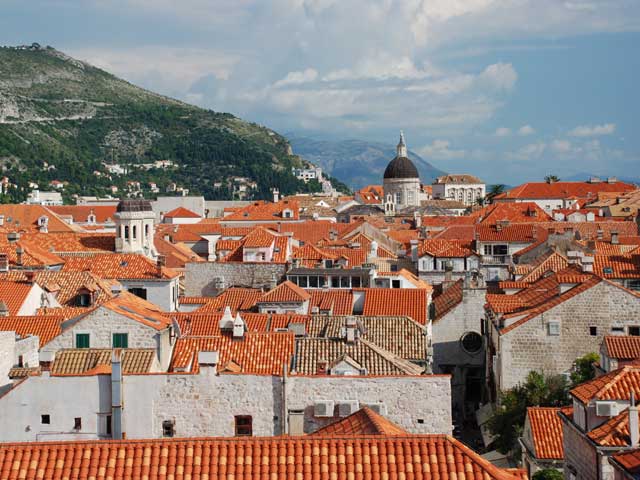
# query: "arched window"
134 232
146 230
398 197
126 232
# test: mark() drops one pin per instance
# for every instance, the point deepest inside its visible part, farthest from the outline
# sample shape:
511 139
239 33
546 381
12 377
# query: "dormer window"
91 219
287 213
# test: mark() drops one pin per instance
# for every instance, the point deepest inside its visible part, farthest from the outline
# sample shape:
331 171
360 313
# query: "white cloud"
528 152
502 132
500 76
526 130
297 78
593 130
561 146
440 150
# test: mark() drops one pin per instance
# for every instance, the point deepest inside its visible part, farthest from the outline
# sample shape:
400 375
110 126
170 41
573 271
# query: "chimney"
19 253
1 220
350 330
276 195
414 250
321 367
208 358
634 433
238 327
600 234
333 235
4 310
587 264
161 262
13 237
30 276
417 220
615 240
226 322
116 395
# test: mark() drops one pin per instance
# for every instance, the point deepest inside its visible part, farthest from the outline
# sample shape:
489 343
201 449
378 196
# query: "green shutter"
82 340
120 340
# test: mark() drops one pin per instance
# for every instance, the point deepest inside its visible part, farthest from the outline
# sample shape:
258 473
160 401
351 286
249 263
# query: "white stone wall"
101 324
409 189
27 348
529 347
7 356
467 193
160 293
200 277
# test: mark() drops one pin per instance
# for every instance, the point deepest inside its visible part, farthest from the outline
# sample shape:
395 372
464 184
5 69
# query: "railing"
496 259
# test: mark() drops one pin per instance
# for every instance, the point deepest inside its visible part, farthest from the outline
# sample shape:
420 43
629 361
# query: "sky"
509 90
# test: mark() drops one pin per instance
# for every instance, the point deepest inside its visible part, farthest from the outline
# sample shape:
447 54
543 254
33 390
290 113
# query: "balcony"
496 259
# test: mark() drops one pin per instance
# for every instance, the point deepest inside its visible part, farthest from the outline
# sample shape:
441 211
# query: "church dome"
401 167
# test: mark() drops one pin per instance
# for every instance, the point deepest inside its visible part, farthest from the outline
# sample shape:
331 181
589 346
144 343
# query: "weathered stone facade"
530 347
210 278
581 459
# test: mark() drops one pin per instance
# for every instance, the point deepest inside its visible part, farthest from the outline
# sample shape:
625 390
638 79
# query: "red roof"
46 328
437 247
237 299
364 422
410 302
80 213
14 294
284 293
622 347
411 457
265 211
119 265
580 190
615 385
521 232
546 431
181 212
628 460
516 212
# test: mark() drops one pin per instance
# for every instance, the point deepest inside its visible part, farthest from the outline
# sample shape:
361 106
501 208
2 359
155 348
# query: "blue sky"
509 90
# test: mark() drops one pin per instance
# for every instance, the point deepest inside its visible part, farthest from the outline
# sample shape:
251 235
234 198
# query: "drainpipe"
116 396
285 421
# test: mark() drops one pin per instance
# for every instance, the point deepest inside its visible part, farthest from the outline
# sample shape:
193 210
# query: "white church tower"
401 181
135 227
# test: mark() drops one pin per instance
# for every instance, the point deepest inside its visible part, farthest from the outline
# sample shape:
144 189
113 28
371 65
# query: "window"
120 340
146 230
395 283
634 331
355 282
345 282
82 340
83 299
421 421
500 250
45 419
313 282
553 328
471 342
303 282
618 330
108 425
138 292
398 197
244 425
633 285
77 423
126 232
168 428
593 331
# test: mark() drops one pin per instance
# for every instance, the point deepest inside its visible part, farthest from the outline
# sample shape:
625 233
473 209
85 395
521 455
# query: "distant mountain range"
355 162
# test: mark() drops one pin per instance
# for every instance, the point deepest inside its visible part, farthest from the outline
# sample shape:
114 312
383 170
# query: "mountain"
356 162
63 119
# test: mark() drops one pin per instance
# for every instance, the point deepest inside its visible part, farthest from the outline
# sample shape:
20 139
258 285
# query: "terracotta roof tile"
25 218
118 266
448 299
396 302
336 301
615 385
363 422
181 212
629 461
14 294
521 232
614 432
208 324
80 213
89 361
437 247
622 347
73 242
137 309
46 328
311 457
551 262
238 299
284 293
262 353
517 212
546 430
264 211
583 190
617 266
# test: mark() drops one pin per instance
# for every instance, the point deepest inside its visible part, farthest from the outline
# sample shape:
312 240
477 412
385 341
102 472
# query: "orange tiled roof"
238 299
614 432
546 431
265 211
181 212
284 293
311 457
46 328
437 247
260 353
337 301
119 265
457 232
615 385
447 300
89 361
517 212
73 242
259 238
364 422
617 266
392 301
208 324
64 312
628 460
80 213
622 347
550 262
14 294
541 190
522 232
137 309
25 218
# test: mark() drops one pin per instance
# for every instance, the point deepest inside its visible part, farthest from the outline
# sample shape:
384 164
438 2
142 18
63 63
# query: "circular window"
471 342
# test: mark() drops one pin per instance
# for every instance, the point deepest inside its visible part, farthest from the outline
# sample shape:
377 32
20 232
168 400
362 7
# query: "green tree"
548 474
583 369
507 421
551 179
494 191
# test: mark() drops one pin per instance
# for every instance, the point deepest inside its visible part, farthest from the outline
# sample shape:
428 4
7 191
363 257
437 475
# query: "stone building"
555 320
401 182
462 188
542 440
135 227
